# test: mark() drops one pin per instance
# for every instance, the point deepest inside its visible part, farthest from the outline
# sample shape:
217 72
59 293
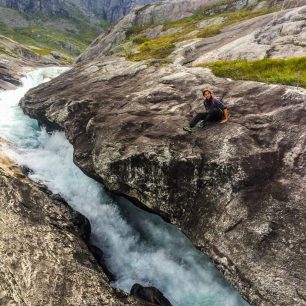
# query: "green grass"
158 48
104 23
8 52
275 71
162 47
65 41
40 51
139 39
189 24
135 30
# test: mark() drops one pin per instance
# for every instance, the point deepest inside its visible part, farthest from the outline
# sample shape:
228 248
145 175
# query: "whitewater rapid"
139 247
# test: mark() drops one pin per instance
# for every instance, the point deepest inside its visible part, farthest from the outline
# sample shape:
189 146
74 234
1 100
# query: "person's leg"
214 115
198 117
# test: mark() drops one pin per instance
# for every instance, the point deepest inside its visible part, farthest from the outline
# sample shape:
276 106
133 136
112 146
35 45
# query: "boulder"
150 294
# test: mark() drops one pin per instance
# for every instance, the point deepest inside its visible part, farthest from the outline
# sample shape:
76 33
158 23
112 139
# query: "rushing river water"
139 246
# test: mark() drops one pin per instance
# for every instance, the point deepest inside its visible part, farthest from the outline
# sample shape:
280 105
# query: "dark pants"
212 115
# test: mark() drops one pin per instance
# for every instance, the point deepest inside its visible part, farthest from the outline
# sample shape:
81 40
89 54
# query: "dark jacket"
214 103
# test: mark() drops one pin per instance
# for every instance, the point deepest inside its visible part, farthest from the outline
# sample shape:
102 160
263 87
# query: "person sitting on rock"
216 111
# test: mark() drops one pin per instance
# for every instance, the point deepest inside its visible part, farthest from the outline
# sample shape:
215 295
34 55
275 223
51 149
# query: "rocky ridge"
154 15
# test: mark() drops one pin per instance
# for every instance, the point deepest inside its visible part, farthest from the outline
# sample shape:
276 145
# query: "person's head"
207 93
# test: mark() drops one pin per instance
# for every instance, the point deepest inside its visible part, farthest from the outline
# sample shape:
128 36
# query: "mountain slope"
62 27
95 9
68 36
159 20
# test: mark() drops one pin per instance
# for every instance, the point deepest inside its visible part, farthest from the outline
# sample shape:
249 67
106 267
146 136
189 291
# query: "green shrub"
139 39
41 51
8 52
134 30
210 31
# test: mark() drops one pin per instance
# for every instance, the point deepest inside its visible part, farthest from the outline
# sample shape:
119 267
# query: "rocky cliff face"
54 7
112 10
237 190
108 10
44 259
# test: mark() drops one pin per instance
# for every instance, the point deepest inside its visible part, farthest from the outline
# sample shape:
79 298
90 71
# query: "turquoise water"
139 246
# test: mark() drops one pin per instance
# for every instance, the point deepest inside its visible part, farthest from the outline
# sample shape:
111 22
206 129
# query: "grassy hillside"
139 46
43 35
290 71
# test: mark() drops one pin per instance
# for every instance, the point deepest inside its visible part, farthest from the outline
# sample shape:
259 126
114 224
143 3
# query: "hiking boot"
187 128
200 125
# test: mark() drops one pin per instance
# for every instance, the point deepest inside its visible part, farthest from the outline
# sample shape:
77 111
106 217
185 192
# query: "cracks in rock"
301 295
233 226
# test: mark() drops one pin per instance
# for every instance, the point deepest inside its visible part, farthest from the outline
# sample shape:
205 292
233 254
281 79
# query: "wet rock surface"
44 258
150 294
237 190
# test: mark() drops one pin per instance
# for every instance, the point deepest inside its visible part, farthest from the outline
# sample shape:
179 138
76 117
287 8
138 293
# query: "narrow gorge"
137 247
211 218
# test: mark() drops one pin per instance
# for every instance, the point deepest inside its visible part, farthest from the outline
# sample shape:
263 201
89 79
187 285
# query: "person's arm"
204 104
225 113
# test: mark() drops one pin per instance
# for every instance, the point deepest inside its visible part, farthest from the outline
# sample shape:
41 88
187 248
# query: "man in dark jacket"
216 111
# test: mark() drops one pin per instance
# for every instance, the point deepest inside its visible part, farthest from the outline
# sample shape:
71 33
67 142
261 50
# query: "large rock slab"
44 258
277 35
237 190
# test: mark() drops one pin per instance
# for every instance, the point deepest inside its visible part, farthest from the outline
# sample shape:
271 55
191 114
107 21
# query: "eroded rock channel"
137 247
